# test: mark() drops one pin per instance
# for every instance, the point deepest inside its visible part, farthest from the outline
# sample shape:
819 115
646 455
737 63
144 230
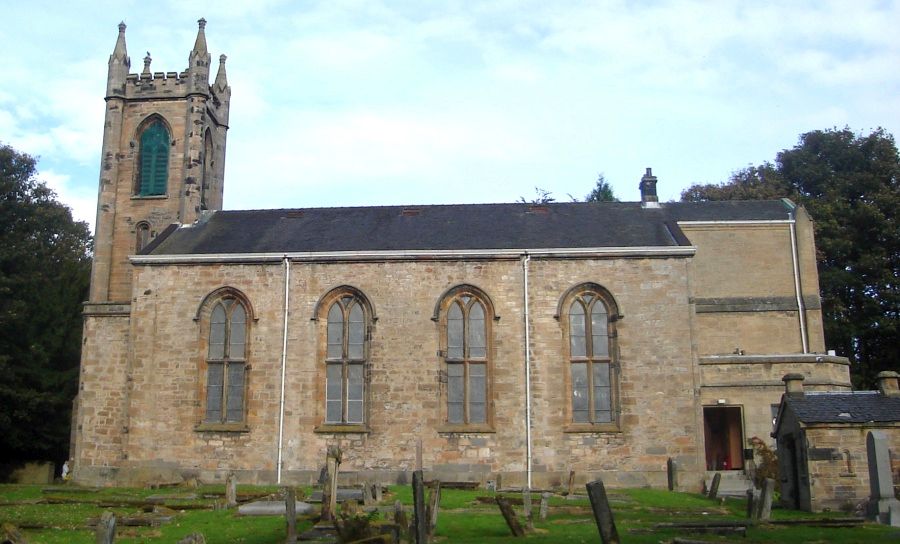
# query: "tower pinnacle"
119 64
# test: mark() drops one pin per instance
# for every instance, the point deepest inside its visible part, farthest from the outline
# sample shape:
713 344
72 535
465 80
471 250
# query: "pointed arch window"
226 362
153 159
593 369
345 361
466 325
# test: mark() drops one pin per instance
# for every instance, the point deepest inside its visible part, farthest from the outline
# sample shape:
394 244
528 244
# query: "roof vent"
411 212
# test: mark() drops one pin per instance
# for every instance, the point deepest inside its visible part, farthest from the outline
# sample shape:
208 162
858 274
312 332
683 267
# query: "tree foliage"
542 196
602 192
849 184
44 277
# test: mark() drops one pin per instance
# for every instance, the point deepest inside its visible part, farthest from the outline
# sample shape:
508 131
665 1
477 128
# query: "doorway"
724 435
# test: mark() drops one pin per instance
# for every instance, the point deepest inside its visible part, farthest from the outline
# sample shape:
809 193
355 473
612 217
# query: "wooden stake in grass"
602 513
420 521
510 516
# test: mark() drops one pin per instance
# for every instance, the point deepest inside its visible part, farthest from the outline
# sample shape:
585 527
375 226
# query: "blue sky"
343 103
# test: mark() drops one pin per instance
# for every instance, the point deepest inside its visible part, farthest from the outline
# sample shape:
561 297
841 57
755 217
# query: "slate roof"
566 225
856 407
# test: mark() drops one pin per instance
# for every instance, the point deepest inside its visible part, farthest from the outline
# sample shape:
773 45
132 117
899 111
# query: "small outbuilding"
821 440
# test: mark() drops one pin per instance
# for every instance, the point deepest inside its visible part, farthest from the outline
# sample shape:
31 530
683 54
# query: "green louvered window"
154 156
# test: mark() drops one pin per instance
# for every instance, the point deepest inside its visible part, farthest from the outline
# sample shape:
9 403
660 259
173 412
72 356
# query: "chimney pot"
888 383
793 384
648 190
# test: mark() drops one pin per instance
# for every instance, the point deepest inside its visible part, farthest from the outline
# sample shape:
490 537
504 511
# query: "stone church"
521 341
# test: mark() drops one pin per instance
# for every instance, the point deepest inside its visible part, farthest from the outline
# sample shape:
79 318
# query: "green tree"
849 184
542 196
602 192
44 277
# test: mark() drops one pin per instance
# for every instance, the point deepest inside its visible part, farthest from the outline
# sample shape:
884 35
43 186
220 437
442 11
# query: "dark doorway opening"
724 435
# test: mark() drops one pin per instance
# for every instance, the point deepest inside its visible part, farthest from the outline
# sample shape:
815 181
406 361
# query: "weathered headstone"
420 523
290 514
230 490
368 500
526 504
714 486
434 504
602 512
764 510
672 473
571 482
545 505
376 488
510 516
329 495
193 538
106 528
883 506
499 482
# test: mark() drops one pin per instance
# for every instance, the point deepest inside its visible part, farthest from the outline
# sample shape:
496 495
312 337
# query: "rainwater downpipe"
795 259
525 258
287 283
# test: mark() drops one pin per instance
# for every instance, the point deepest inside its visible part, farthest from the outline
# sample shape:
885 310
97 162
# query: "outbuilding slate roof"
844 407
566 225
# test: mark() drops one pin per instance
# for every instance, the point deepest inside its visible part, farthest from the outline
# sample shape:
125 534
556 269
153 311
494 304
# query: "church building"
521 341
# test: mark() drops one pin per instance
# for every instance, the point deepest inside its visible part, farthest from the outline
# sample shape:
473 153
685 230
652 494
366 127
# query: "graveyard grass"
462 517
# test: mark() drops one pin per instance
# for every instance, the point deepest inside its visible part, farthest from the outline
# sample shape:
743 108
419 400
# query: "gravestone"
230 490
764 510
106 528
672 474
434 504
714 487
883 506
193 538
602 512
420 523
545 505
329 495
290 514
377 492
571 482
368 500
510 516
526 504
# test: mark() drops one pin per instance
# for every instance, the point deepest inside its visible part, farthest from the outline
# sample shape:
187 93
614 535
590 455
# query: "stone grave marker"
230 490
714 487
193 538
545 505
368 500
106 528
420 523
377 491
329 495
602 512
434 504
526 504
764 510
571 482
290 514
510 516
883 506
751 502
672 474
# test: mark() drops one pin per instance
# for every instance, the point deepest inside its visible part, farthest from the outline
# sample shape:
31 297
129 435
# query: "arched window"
153 159
345 359
141 235
590 313
466 318
226 361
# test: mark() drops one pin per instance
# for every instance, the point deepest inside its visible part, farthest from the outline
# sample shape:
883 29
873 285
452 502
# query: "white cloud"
82 203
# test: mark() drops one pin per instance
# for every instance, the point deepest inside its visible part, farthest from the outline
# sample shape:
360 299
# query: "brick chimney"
793 385
648 190
888 383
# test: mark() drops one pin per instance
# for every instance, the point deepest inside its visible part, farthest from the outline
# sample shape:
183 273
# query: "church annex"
472 341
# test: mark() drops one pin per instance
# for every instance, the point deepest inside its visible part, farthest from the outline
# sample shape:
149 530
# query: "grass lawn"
462 517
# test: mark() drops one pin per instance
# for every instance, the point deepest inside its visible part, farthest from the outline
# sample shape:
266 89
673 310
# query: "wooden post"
434 504
672 473
400 517
714 487
545 505
751 503
510 516
602 512
420 523
290 514
329 495
526 504
230 490
571 482
106 528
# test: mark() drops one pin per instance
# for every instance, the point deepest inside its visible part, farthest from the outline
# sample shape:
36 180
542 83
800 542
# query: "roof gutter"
402 255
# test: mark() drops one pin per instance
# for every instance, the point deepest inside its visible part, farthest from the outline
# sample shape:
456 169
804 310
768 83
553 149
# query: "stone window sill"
592 428
149 197
341 428
222 428
462 428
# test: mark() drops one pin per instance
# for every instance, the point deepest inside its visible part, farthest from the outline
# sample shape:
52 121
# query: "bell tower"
163 158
